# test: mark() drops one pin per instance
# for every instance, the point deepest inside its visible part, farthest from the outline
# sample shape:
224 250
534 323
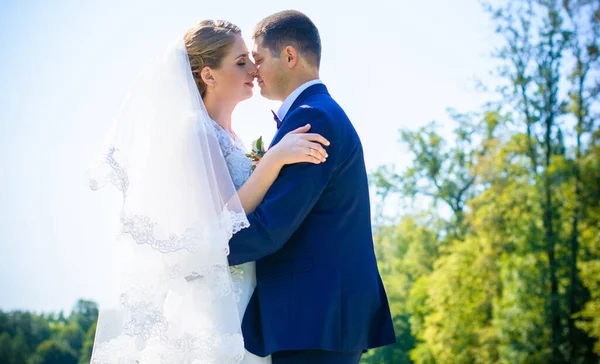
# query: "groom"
319 297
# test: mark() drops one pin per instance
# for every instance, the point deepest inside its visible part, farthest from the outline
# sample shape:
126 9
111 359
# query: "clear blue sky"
65 67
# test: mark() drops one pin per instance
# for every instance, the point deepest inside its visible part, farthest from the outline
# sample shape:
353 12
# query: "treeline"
30 338
512 273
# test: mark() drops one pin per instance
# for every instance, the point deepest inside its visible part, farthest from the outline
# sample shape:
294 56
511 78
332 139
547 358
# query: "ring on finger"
311 152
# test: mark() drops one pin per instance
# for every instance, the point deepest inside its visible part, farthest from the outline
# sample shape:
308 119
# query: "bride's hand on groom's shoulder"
299 146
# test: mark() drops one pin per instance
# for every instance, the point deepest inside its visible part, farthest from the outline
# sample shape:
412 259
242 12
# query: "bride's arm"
294 147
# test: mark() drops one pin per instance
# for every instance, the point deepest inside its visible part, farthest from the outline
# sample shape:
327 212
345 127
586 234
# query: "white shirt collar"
285 107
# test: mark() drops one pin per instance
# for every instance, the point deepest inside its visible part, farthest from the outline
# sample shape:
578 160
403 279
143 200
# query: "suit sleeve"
290 199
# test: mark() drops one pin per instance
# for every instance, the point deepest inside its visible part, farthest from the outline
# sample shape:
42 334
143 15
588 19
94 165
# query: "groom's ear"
207 76
289 56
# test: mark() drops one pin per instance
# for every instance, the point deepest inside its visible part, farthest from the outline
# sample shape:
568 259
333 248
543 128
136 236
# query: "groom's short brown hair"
290 28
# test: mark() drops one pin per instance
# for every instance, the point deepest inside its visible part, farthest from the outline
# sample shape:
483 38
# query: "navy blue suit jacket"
318 286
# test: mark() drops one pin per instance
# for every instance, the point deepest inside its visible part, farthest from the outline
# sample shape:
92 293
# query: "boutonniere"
257 152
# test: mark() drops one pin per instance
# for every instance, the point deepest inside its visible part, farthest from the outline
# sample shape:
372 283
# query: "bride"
187 186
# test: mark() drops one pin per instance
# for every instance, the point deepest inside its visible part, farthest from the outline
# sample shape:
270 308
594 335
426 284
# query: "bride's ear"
207 76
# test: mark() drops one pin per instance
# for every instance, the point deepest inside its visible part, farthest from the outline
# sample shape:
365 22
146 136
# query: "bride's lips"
250 84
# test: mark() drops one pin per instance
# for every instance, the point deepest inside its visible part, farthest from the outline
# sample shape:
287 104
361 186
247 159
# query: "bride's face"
234 80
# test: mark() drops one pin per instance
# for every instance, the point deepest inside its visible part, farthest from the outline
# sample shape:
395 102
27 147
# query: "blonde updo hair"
207 44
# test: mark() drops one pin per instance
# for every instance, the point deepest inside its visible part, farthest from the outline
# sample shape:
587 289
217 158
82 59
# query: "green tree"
88 345
6 348
85 314
589 317
550 51
52 352
405 252
71 335
441 169
515 272
21 350
34 327
584 47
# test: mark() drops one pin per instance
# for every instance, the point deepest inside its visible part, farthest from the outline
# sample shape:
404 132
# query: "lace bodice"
240 166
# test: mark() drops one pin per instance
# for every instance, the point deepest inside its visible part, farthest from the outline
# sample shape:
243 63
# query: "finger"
315 154
319 151
317 138
313 160
302 129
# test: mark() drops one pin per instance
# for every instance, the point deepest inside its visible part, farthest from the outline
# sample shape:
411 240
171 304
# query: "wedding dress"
178 301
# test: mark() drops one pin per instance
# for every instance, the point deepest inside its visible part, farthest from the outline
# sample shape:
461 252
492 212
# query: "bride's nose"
253 69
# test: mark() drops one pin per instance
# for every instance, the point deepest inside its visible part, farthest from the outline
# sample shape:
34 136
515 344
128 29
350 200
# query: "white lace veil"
176 300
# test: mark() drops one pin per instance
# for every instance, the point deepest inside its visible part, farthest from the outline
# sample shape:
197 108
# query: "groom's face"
270 72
